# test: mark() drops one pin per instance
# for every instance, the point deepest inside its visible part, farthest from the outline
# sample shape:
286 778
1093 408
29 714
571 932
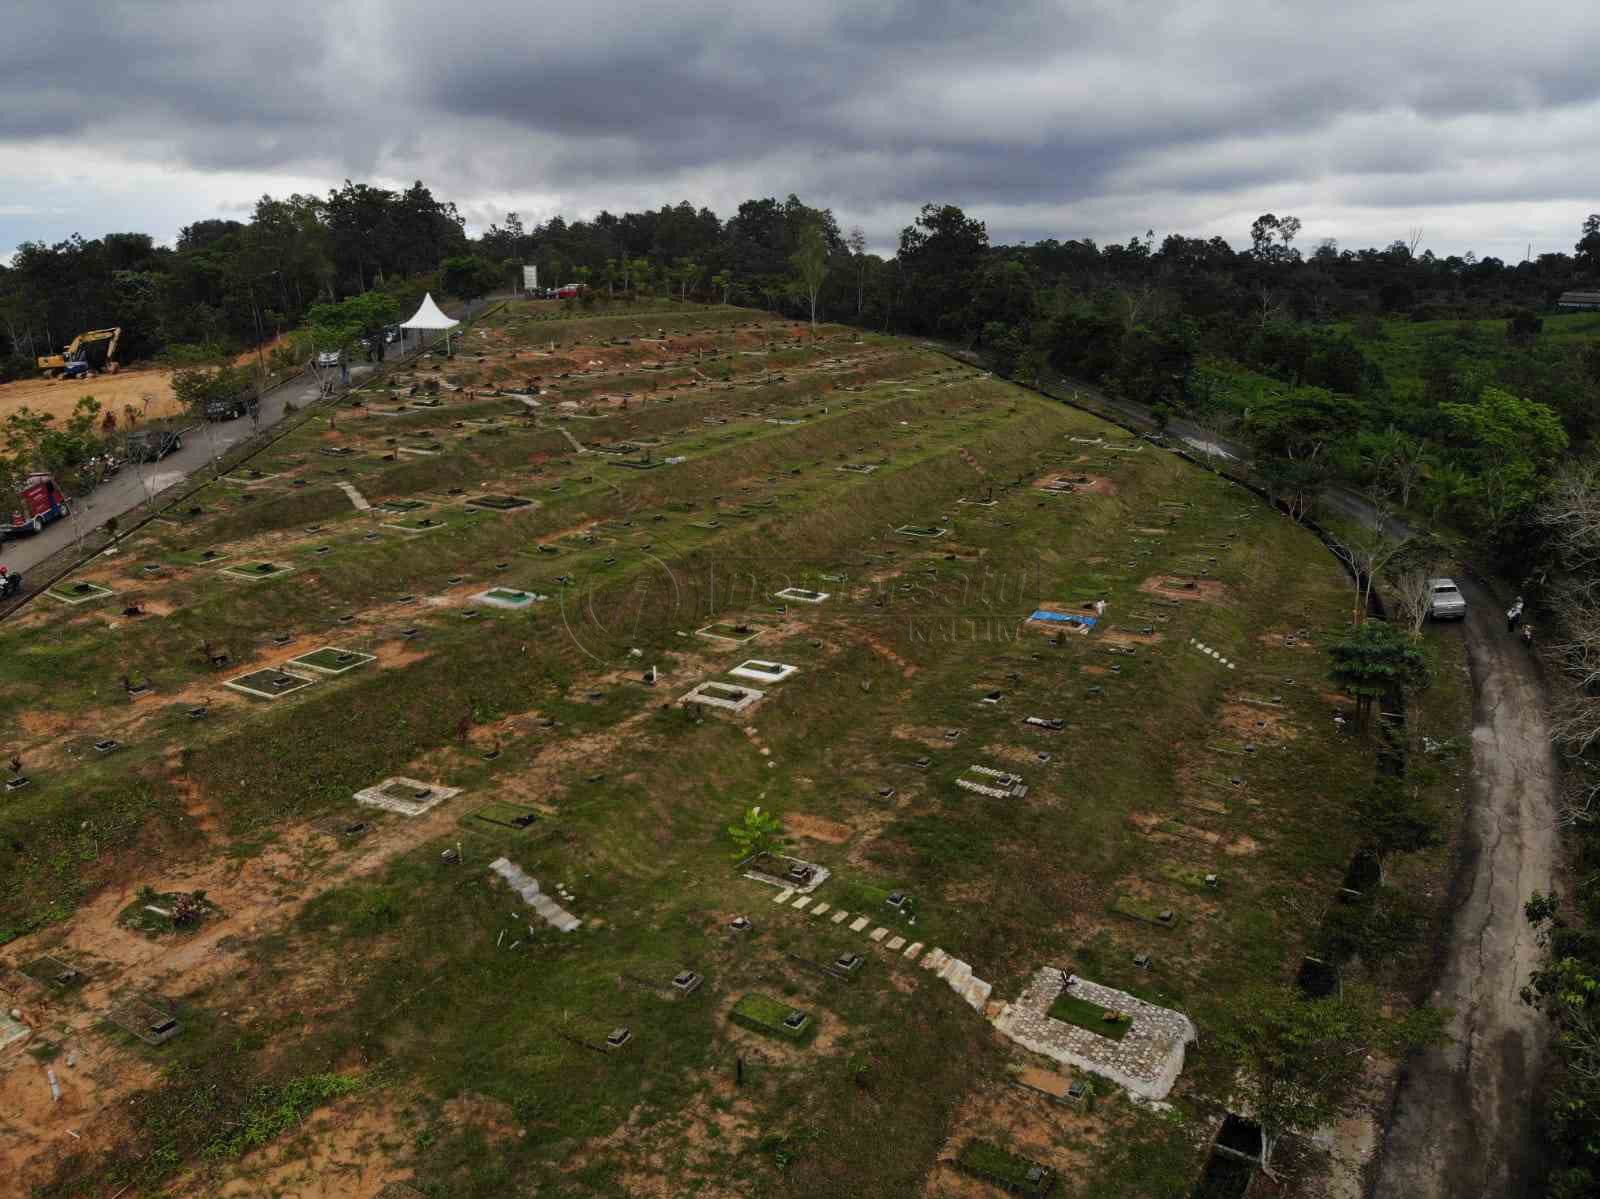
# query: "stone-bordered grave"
54 973
500 503
415 524
791 875
506 597
772 1017
502 814
723 695
150 1023
12 1031
198 557
78 593
256 570
803 595
1008 1171
735 634
268 684
1142 910
330 659
405 795
926 531
1146 1058
761 670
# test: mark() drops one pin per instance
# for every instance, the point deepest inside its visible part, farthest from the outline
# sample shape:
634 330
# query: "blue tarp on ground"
1064 618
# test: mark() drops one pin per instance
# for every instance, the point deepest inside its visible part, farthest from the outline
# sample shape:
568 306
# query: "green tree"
1294 437
761 832
1508 445
1300 1062
1373 661
467 276
341 326
1395 816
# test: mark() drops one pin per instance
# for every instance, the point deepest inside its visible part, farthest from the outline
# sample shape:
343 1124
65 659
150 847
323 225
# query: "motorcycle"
10 584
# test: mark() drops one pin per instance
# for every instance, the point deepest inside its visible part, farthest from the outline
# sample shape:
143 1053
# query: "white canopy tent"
428 319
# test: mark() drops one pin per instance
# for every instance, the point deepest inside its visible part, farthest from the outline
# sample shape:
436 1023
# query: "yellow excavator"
73 363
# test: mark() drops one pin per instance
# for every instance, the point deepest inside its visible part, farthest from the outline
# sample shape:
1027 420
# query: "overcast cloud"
1477 122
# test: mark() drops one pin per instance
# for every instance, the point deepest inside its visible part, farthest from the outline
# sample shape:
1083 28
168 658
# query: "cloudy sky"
1477 122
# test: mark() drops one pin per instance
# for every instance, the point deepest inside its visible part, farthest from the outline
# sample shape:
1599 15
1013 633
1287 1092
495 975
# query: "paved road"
1463 1119
1462 1123
125 490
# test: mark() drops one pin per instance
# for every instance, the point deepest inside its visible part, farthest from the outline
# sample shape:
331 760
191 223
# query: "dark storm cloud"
1050 118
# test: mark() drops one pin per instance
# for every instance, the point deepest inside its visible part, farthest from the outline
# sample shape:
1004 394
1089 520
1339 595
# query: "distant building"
1579 301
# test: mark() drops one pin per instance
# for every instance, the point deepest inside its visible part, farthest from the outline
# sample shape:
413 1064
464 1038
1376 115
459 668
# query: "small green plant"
760 833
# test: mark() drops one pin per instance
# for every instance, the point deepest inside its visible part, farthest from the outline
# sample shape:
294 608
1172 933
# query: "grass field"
369 991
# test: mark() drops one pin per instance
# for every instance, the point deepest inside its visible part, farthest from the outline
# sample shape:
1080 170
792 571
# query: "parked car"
152 445
231 409
1445 600
330 358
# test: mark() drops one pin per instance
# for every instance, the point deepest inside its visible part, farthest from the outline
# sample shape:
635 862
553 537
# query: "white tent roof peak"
428 316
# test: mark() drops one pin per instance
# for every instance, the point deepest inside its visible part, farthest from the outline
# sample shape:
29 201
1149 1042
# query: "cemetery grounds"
364 1005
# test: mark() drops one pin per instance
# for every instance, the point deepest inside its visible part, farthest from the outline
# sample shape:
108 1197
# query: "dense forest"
1448 388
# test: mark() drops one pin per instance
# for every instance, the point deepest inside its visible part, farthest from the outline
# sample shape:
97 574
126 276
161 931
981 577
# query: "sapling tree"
1299 1063
761 832
1368 549
810 262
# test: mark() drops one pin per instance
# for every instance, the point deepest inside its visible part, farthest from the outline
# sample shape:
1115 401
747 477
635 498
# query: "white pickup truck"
1445 600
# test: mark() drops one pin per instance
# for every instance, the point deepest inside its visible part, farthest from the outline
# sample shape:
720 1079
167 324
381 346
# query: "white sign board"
530 278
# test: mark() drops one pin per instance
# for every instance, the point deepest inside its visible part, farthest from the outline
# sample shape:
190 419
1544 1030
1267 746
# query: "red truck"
42 503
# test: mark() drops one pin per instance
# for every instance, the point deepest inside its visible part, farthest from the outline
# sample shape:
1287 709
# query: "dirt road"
1462 1123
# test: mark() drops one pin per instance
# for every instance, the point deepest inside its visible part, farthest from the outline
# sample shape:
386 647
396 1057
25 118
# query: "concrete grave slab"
760 670
723 696
407 796
506 597
256 571
803 595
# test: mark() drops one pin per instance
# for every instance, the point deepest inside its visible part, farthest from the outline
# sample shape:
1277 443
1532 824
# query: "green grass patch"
1080 1013
764 1014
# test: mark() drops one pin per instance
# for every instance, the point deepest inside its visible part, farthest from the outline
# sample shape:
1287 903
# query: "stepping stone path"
552 912
896 943
801 902
838 917
819 909
859 923
912 950
878 934
783 896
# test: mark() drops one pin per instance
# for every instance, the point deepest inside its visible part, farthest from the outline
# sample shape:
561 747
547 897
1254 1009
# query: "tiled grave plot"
256 570
549 910
403 506
763 671
146 1021
1146 1059
268 684
405 796
249 478
12 1031
996 784
78 593
928 531
506 815
500 503
858 468
735 634
330 659
803 595
724 696
506 597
